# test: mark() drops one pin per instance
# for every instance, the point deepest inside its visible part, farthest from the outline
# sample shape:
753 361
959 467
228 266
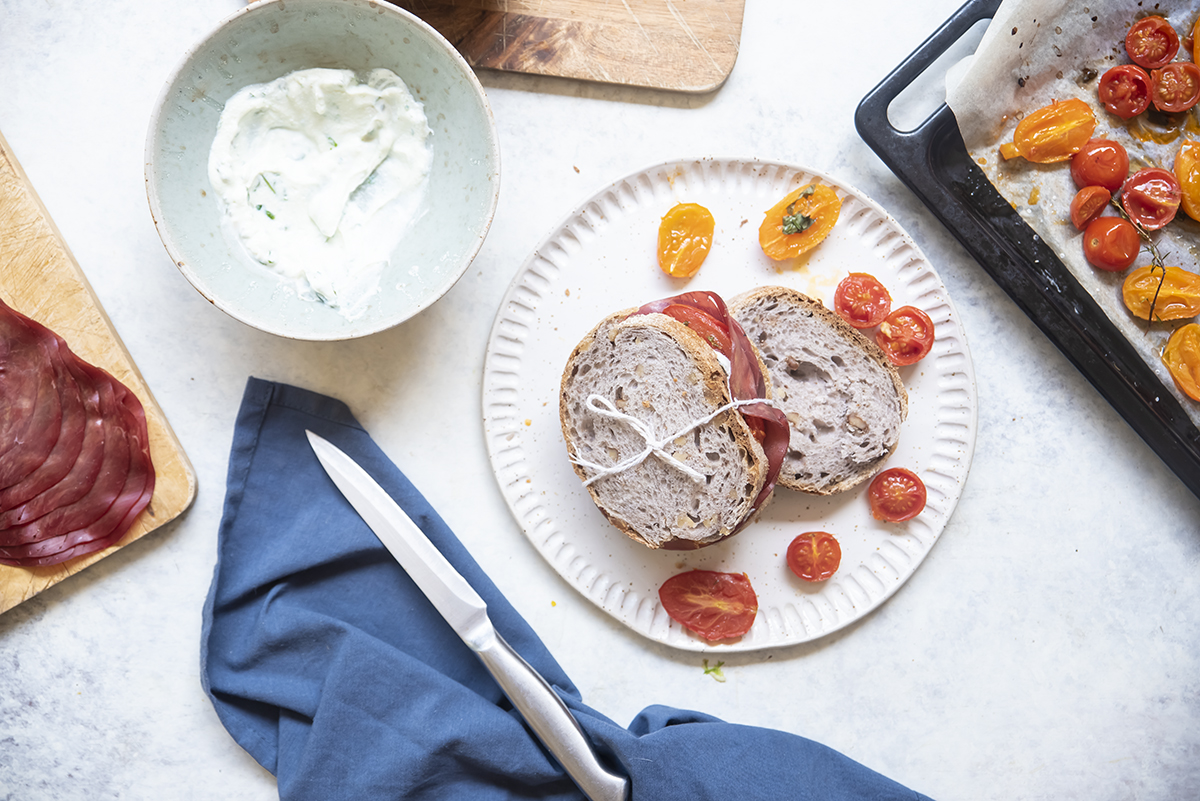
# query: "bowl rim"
264 7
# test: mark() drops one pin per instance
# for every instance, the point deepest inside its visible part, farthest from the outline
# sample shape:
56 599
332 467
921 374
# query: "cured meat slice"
82 476
94 502
65 451
75 444
28 374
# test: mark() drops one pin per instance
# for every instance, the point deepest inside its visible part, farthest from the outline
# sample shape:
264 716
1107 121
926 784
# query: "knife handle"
550 720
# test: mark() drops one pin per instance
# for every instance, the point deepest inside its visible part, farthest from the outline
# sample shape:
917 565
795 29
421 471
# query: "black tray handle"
871 118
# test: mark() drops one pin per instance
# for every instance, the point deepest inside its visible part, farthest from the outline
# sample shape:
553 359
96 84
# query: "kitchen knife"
466 613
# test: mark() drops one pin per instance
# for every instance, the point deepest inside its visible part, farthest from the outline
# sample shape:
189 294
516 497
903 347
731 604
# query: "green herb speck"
714 671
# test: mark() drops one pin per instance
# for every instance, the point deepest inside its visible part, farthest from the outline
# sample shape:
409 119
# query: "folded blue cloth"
329 666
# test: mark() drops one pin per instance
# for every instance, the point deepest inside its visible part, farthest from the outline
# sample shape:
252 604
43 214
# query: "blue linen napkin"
329 666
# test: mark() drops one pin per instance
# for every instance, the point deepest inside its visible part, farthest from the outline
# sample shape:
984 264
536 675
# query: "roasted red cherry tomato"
906 336
685 236
1151 42
814 555
862 301
1151 197
715 605
1087 205
708 327
1052 133
1182 358
1111 243
896 495
1175 87
1125 90
1102 162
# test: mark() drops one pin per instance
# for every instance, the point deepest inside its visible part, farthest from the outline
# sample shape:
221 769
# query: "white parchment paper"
1038 51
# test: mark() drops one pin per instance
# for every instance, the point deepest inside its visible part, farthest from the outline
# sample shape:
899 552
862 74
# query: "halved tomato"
685 236
1182 358
1162 293
1176 87
896 495
1101 162
814 555
1151 42
1052 133
1125 90
1087 205
707 326
799 222
1151 197
1187 172
715 605
906 336
1111 243
862 301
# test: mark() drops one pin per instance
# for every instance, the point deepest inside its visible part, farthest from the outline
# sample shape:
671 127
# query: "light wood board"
41 279
679 45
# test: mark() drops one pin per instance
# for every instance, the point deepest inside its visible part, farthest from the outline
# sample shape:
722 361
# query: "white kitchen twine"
653 446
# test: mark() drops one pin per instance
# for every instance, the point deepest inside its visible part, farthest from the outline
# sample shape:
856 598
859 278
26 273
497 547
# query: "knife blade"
458 603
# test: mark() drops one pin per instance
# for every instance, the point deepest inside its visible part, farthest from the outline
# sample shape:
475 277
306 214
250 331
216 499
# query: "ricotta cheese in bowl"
320 174
322 169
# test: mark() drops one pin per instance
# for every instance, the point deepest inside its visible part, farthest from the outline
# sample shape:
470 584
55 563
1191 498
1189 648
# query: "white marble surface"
1049 646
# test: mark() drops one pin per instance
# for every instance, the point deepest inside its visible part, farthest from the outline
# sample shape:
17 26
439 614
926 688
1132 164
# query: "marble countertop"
1048 647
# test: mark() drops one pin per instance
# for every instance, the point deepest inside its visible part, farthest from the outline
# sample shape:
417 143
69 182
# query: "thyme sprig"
1156 258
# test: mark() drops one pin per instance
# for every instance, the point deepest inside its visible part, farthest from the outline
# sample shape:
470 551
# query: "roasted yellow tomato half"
1162 293
799 222
1182 358
1187 171
685 237
1052 133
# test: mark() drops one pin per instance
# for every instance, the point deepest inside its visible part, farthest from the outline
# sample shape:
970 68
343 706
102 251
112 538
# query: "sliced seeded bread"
660 372
843 399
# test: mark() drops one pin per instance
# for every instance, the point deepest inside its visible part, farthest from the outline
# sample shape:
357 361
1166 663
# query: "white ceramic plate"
602 259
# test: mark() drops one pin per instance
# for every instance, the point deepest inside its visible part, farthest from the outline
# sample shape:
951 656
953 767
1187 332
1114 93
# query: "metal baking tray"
933 162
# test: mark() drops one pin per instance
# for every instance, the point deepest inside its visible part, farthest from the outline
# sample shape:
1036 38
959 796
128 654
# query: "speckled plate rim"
599 259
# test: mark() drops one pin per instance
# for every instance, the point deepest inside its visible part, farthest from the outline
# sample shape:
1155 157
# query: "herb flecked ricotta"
319 174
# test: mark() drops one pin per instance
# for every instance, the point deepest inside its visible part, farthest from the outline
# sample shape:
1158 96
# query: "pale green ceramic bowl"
270 38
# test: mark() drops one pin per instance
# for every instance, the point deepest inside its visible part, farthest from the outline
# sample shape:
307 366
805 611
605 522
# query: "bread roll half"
663 375
843 399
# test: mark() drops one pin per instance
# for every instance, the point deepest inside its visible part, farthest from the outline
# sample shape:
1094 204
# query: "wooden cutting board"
41 279
680 45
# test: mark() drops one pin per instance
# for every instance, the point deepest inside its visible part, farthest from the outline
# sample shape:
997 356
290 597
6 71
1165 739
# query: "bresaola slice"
77 470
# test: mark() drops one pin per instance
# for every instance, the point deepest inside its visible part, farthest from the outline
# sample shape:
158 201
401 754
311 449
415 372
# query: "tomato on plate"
707 326
1175 87
814 555
1169 293
1111 243
1101 162
1087 205
715 605
1182 358
896 495
1151 42
862 300
905 336
685 236
1052 133
1187 172
1125 90
799 222
1151 197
